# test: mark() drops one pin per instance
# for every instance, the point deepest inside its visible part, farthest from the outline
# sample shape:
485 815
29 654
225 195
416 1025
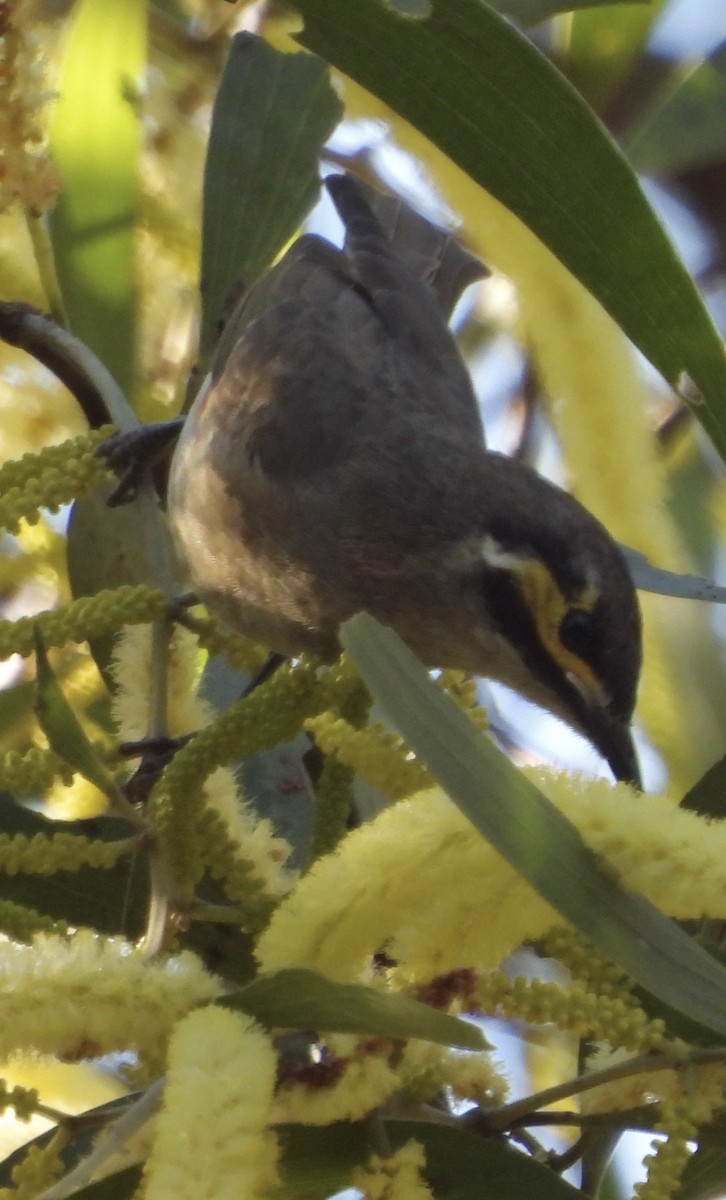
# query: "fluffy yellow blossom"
254 836
90 995
357 1079
212 1140
132 665
261 849
398 1176
421 880
425 1068
702 1086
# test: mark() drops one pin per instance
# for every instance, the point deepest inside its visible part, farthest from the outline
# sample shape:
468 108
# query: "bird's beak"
613 738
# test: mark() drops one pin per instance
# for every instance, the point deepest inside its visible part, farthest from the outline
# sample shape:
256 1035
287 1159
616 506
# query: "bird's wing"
331 345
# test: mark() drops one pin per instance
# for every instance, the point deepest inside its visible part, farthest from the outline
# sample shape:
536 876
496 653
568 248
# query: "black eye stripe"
510 613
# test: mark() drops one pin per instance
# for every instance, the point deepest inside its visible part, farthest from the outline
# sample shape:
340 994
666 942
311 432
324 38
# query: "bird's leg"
157 752
130 454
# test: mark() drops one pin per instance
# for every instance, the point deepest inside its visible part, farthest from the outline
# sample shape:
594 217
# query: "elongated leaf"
113 901
300 999
705 1175
96 141
685 128
459 1165
469 81
272 115
671 583
531 834
61 726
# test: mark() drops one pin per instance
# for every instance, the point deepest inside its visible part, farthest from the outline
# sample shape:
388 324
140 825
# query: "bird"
335 462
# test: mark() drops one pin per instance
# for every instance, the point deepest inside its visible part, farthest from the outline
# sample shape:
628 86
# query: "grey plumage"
336 462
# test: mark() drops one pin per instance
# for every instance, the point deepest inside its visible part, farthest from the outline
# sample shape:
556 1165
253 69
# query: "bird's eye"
579 634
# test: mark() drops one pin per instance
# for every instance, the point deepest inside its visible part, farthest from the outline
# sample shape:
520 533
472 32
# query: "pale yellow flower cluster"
88 995
360 1074
398 1176
702 1086
363 1079
26 172
478 909
425 1069
187 711
254 836
132 661
212 1140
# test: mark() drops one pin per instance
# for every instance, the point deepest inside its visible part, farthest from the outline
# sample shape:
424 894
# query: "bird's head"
559 615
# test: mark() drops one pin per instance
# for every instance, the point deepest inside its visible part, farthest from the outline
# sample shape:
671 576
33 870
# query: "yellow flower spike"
463 691
239 873
359 1080
254 836
271 714
423 855
33 772
425 1068
398 1176
72 997
212 1139
51 478
37 1170
240 651
334 790
91 616
44 854
670 1157
375 754
582 1013
21 924
585 963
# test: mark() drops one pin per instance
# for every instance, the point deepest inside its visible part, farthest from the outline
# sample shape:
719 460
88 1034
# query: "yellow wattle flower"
212 1139
421 856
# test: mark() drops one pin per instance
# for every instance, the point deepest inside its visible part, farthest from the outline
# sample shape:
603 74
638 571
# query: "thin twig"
92 384
503 1118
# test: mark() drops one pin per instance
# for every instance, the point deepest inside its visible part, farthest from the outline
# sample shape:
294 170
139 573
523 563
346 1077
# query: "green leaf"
685 128
114 901
531 834
474 85
459 1165
648 578
301 999
62 728
108 547
272 116
96 138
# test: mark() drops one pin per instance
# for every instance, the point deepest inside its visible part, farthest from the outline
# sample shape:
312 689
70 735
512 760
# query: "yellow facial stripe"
548 607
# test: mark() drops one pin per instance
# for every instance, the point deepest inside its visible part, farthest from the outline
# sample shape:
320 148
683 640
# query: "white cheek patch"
494 555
